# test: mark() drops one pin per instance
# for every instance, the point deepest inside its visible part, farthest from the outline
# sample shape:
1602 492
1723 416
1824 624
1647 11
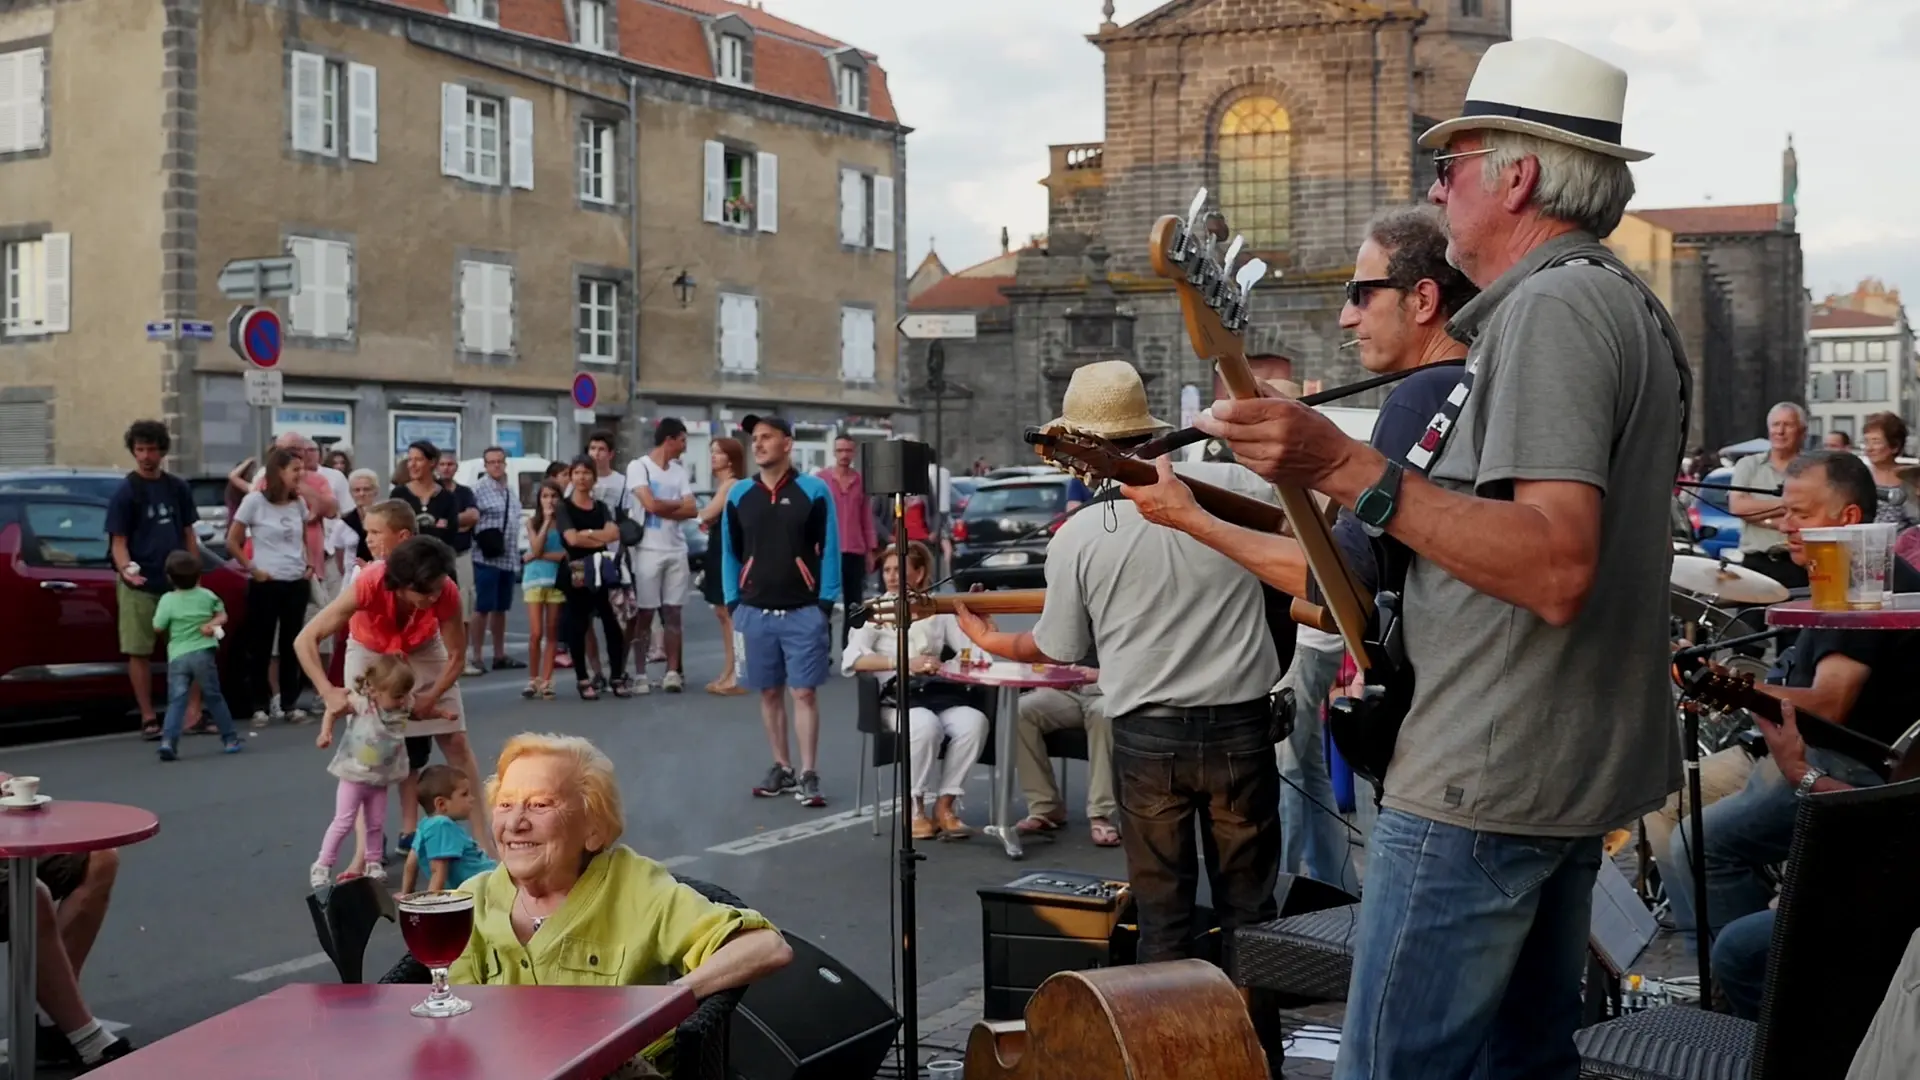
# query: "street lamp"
683 287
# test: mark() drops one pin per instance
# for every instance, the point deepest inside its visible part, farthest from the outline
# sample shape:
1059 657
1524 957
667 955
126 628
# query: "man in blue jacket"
780 555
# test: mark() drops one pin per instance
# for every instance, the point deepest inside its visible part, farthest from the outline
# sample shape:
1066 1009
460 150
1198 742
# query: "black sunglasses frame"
1357 290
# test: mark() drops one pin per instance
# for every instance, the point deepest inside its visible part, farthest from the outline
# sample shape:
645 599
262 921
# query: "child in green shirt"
191 617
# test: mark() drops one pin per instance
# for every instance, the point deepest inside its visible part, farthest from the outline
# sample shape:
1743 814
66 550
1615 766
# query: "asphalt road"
211 912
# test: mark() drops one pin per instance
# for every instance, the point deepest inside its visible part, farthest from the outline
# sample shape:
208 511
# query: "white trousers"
964 724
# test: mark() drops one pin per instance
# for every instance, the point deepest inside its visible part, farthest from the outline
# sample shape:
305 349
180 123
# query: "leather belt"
1244 710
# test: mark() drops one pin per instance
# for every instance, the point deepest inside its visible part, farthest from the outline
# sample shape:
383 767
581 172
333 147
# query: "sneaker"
167 752
809 791
297 716
260 719
120 1047
640 685
319 875
673 683
779 781
473 670
52 1047
376 871
232 746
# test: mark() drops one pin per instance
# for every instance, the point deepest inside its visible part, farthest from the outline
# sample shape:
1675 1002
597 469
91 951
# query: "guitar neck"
1816 730
1229 506
1002 602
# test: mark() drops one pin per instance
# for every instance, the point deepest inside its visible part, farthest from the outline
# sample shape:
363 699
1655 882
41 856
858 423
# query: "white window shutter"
715 191
520 130
848 342
500 310
309 73
303 307
729 334
883 213
853 208
453 130
11 107
337 301
32 99
57 289
768 205
473 307
867 355
363 116
750 312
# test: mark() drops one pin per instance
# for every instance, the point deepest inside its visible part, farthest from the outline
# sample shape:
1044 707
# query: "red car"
60 642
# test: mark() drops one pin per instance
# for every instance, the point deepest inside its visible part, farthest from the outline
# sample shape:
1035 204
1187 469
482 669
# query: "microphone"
1695 651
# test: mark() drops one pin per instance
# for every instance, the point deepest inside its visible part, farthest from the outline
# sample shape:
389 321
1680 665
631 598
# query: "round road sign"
585 391
255 334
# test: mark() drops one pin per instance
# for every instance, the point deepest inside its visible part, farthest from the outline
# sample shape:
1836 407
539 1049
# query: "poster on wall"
440 429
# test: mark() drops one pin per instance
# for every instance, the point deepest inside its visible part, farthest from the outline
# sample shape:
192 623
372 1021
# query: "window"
486 11
26 434
1826 352
442 429
1816 427
593 24
1876 350
856 344
335 107
733 59
483 140
524 436
36 285
330 109
866 210
1823 387
323 308
1843 425
1044 498
1843 386
1256 172
853 85
597 155
739 333
742 188
1876 386
478 133
1472 9
486 309
66 535
1843 350
23 100
597 322
737 209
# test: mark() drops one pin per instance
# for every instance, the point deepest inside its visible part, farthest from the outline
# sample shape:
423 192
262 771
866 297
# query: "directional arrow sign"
920 327
255 279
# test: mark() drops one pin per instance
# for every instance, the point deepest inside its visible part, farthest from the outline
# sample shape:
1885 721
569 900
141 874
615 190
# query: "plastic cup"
1828 567
1869 550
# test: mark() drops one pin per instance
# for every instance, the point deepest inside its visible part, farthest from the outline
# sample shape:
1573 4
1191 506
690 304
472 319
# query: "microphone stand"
903 802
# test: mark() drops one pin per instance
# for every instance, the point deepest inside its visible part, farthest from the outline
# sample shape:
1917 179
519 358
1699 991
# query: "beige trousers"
1722 773
1045 710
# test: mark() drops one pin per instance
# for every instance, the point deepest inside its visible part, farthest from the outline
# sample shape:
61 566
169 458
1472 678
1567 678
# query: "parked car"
1707 509
209 494
60 643
1001 540
963 488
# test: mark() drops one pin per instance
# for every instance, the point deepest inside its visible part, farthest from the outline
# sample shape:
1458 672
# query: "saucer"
37 802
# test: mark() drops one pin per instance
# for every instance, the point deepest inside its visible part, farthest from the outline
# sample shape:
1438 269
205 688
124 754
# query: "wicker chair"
699 1043
1847 909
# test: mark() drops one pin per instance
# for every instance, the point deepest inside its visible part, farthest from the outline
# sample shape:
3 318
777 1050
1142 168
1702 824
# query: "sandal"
622 688
1035 825
1104 834
150 730
588 693
546 690
532 689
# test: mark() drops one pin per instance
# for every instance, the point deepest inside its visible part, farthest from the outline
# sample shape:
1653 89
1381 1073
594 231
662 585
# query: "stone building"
1859 362
1298 116
691 200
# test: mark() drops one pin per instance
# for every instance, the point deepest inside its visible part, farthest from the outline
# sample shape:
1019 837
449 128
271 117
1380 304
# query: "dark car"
1001 540
209 494
60 643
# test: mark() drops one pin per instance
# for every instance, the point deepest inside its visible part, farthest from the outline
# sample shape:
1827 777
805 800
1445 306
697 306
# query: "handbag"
598 571
631 530
491 542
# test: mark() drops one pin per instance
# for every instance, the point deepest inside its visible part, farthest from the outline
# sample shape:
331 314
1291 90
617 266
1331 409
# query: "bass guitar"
884 610
1715 685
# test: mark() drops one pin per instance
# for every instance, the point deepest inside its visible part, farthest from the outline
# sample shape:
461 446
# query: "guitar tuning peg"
1233 253
1193 212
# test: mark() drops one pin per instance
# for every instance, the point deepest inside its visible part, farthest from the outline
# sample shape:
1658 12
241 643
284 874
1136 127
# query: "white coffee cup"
21 789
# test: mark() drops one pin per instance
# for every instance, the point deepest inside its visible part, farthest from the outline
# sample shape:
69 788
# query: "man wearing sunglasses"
1536 605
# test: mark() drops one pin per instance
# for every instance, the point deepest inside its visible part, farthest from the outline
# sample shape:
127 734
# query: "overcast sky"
1716 87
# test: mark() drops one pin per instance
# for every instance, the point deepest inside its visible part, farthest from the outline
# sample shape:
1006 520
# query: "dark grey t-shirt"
1519 726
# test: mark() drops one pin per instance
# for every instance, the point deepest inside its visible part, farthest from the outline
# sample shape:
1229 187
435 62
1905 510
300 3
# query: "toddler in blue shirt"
443 841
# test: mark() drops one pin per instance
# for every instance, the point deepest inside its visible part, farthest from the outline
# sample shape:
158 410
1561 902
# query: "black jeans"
276 610
853 589
1222 772
577 622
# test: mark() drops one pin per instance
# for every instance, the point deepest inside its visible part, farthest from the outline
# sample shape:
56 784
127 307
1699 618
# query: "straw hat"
1545 88
1108 399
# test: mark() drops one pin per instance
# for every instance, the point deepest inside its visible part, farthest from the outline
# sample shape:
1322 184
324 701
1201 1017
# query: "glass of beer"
1869 551
436 927
1828 567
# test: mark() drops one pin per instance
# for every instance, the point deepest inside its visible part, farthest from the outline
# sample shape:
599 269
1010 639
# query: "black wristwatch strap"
1377 505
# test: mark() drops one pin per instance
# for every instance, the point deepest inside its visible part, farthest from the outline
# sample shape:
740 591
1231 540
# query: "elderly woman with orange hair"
567 889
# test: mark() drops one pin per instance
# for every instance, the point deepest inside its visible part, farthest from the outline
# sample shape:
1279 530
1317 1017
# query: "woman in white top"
873 649
276 521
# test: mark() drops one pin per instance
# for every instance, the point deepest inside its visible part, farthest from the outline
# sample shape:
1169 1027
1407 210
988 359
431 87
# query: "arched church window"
1256 172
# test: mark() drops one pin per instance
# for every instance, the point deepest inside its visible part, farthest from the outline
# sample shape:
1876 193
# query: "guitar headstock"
1718 686
1088 457
1214 293
885 610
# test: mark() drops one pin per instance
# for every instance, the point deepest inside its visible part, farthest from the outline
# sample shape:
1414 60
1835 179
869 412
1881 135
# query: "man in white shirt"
659 484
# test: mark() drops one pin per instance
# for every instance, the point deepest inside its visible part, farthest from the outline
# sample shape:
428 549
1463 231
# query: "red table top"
1004 673
1902 614
326 1030
62 827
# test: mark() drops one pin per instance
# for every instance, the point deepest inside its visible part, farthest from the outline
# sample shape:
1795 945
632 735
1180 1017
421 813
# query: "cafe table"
1008 679
322 1031
57 827
1902 614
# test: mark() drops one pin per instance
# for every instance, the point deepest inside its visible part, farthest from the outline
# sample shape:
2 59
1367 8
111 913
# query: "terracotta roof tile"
1697 220
662 38
756 18
1843 319
962 294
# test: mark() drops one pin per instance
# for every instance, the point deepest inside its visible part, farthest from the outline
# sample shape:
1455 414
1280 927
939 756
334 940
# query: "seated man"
1860 678
72 896
1042 712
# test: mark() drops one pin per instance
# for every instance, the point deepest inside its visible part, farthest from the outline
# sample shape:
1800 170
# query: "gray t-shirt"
1756 470
1174 622
1518 726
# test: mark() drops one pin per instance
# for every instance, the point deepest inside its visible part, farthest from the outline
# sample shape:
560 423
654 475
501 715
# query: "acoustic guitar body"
1169 1021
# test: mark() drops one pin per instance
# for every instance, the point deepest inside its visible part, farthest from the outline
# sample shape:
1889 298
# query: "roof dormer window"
591 28
733 59
850 79
732 40
485 11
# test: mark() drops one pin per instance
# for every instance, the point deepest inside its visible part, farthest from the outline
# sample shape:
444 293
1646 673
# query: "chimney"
1006 242
1789 186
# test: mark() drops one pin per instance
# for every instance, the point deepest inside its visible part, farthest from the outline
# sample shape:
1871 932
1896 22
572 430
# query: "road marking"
285 967
773 838
679 860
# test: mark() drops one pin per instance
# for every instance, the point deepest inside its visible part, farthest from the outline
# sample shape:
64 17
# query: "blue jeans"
1744 833
1313 840
1740 961
1469 953
200 667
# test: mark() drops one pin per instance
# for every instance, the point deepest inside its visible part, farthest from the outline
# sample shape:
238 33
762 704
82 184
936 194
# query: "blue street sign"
196 331
254 333
585 390
160 331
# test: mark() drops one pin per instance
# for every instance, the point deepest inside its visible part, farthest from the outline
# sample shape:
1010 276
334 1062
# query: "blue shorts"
492 589
785 648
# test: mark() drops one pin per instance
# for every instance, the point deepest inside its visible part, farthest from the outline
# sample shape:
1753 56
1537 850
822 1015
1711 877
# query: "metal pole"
902 807
1696 850
23 942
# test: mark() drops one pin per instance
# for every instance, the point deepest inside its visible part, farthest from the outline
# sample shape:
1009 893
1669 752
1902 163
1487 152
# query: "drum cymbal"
1737 584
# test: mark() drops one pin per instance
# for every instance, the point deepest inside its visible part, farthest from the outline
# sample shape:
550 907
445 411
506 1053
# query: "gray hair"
1415 239
1582 187
371 476
1799 414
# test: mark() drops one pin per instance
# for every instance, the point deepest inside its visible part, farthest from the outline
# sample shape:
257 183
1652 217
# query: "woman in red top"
406 605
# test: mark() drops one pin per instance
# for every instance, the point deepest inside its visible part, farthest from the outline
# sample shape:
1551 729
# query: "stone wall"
1767 358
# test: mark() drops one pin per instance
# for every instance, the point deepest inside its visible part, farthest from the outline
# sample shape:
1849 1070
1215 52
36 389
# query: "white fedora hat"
1542 87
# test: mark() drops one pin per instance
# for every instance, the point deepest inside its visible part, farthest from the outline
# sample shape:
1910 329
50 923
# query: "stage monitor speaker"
1298 894
812 1020
897 467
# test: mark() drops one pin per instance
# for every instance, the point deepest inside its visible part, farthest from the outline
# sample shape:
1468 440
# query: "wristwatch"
1807 781
1377 505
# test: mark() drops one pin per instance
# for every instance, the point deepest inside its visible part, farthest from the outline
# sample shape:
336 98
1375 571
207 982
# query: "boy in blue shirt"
443 841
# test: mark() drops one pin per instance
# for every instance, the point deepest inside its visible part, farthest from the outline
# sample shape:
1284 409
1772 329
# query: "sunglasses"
1443 163
1357 291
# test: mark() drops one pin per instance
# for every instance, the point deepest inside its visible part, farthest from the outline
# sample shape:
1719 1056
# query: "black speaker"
1043 923
897 467
1300 895
811 1020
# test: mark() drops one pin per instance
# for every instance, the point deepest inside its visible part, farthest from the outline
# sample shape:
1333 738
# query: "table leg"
1002 828
22 947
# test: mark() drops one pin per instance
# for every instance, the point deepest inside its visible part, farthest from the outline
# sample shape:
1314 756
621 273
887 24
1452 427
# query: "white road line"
773 838
679 860
285 967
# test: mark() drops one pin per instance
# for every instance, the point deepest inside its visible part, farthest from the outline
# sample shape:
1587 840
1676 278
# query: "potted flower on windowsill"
739 206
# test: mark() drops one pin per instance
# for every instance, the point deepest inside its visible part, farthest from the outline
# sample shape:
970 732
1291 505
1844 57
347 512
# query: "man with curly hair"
150 517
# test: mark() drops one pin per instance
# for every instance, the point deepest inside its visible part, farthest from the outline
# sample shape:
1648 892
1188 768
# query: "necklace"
536 920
